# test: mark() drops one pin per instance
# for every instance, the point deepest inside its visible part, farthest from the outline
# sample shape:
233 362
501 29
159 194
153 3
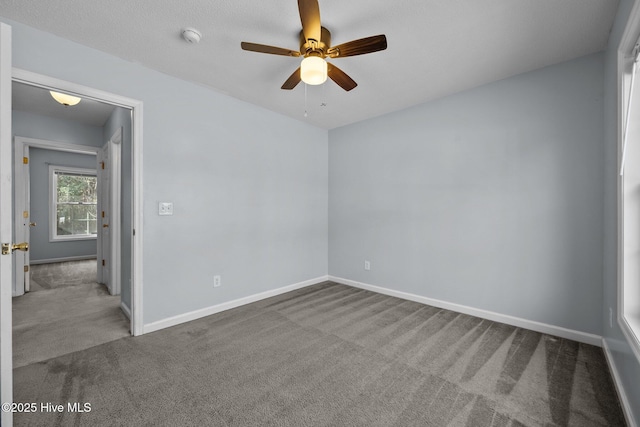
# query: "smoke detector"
191 35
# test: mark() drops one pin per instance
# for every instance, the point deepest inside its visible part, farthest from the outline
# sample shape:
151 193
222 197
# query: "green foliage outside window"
76 204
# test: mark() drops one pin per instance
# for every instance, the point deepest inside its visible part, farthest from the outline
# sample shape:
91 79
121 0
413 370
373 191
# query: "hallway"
66 311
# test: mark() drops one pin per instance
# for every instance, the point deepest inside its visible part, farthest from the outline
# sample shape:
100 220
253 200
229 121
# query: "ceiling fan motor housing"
316 49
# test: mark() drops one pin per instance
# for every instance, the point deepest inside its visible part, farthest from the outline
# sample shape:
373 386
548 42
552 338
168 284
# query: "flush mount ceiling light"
65 99
313 70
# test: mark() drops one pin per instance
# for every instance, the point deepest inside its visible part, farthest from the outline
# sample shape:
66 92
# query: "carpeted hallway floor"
328 355
65 311
61 274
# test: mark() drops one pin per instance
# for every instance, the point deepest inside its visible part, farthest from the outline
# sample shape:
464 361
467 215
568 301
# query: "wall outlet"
367 265
165 208
217 281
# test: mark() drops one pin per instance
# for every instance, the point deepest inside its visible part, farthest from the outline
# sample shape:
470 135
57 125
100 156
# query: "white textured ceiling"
435 47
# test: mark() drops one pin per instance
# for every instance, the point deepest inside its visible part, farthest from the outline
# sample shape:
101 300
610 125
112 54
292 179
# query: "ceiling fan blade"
340 77
358 47
262 48
310 18
292 81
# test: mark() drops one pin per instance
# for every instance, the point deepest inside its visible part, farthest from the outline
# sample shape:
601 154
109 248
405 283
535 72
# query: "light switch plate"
165 208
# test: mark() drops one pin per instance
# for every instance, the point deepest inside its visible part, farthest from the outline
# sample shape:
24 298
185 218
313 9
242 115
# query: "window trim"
628 322
53 169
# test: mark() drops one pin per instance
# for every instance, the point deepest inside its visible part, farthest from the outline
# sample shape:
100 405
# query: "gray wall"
32 125
623 357
37 126
41 248
491 198
121 118
249 186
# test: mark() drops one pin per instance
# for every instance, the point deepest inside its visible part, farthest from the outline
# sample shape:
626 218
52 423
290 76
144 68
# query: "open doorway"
131 198
7 219
64 307
67 287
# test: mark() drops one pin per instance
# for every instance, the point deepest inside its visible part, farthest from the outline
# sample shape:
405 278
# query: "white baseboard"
125 308
622 395
490 315
70 258
197 314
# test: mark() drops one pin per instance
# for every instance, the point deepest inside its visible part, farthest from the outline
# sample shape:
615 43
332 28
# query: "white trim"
53 204
115 226
137 306
629 334
627 43
65 259
6 263
208 311
622 395
73 238
485 314
125 308
47 144
136 107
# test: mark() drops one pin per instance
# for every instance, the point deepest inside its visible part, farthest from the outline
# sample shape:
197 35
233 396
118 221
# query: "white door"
6 226
22 217
104 241
109 214
26 236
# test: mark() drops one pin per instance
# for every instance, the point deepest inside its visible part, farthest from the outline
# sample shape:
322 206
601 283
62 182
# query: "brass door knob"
24 247
10 248
32 224
105 225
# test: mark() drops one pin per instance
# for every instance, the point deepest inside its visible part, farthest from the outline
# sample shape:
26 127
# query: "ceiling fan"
315 46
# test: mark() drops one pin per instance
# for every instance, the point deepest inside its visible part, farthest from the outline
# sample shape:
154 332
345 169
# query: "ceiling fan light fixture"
313 70
65 99
315 46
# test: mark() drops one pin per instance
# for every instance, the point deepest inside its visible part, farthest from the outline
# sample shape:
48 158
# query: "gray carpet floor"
328 355
61 274
66 311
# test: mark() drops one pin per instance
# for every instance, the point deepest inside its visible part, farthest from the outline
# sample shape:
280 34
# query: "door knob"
105 225
32 224
8 248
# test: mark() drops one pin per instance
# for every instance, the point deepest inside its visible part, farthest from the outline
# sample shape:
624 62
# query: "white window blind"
636 55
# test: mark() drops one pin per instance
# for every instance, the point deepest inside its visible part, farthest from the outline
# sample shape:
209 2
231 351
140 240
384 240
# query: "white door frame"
34 79
6 226
21 201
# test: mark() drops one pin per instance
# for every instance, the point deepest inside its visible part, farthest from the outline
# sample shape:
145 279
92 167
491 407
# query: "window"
73 203
629 201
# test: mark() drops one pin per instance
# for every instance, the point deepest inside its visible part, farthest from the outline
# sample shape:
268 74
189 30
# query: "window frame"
54 170
628 317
